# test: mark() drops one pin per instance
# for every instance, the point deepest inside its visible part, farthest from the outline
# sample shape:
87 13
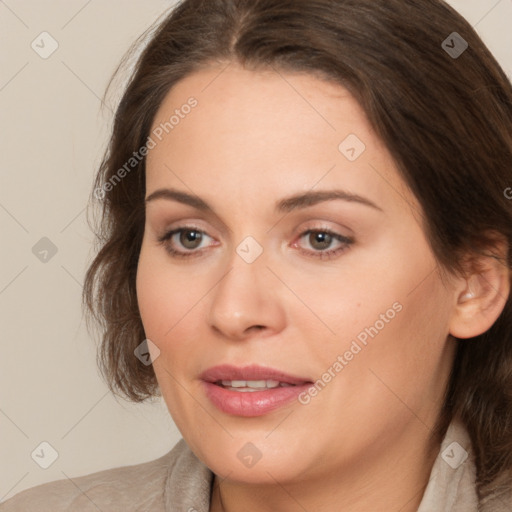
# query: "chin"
242 461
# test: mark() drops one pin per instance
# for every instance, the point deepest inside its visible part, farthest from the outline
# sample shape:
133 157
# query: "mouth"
251 377
244 386
251 390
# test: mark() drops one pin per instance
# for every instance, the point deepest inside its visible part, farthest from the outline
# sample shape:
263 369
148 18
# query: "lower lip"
252 403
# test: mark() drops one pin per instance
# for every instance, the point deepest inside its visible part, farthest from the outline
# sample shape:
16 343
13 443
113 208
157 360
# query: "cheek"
392 368
402 356
381 311
172 312
153 296
163 296
165 307
342 303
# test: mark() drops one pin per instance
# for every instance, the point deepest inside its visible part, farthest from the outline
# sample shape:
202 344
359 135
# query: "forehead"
269 131
270 106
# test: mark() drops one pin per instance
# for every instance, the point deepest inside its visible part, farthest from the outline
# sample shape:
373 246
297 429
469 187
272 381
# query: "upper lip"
251 372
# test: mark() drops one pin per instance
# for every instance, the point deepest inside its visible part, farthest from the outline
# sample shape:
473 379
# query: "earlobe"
482 298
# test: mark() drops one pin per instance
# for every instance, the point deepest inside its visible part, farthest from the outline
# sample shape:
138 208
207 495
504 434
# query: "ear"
482 294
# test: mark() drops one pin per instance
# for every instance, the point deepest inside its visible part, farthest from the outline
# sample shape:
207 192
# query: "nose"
246 300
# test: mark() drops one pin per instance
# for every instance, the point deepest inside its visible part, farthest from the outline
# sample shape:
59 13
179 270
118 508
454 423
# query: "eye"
323 243
320 240
191 239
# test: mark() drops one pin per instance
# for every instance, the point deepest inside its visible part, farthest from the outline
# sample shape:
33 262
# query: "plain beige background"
53 135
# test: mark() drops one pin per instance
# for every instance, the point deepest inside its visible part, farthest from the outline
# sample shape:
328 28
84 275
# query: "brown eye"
190 238
323 243
185 242
320 240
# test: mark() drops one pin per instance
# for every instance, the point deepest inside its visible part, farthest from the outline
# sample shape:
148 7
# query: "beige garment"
179 482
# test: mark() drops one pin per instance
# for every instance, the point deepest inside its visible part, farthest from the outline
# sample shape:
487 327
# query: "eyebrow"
289 204
311 198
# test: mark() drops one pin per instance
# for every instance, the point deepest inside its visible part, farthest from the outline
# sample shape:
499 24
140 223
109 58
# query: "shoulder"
137 487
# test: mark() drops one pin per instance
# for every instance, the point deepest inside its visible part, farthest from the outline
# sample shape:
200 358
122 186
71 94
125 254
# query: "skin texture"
361 444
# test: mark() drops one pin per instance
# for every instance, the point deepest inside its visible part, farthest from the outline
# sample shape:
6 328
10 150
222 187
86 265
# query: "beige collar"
451 486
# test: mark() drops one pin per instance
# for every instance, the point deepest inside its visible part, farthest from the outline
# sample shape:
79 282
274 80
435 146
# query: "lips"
251 385
251 390
250 373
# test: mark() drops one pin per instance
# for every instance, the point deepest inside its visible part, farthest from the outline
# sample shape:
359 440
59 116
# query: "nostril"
253 328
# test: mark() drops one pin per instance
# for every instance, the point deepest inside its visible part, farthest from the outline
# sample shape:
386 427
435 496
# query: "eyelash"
323 255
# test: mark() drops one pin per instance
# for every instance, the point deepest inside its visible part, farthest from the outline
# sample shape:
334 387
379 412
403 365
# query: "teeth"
251 385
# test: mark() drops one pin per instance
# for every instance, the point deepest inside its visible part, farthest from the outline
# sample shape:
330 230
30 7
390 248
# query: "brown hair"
446 119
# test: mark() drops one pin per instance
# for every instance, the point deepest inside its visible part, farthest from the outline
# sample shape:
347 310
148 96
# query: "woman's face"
301 260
